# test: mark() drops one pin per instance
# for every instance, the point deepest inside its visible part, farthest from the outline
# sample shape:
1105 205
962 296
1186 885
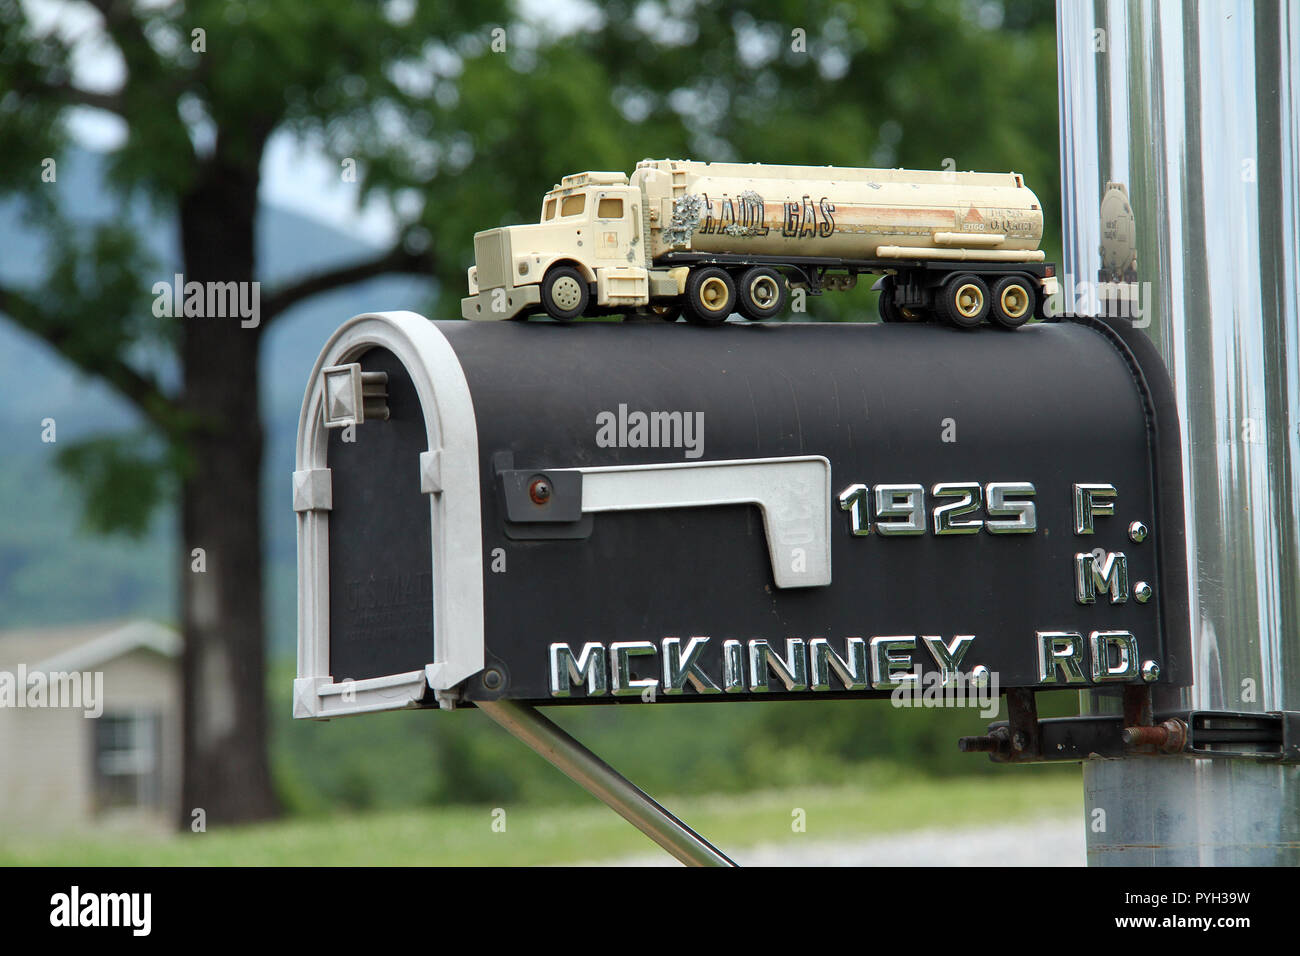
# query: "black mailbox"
603 512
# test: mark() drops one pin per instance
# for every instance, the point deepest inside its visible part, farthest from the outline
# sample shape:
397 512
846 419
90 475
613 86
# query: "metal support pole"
604 782
1180 163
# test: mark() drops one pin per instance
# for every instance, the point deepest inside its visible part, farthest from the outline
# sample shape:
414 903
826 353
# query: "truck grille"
492 256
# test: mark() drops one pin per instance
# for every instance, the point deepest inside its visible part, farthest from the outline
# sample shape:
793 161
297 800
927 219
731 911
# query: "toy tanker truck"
710 239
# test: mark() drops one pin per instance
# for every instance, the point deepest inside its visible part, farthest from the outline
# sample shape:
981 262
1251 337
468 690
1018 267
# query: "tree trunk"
226 771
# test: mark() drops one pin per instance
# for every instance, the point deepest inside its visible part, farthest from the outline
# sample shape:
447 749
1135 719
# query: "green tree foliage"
202 88
459 114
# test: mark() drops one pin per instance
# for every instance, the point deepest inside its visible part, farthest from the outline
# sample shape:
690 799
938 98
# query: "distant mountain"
40 541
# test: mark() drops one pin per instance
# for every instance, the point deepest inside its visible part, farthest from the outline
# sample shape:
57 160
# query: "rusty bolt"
540 491
995 742
1168 737
1177 735
1146 736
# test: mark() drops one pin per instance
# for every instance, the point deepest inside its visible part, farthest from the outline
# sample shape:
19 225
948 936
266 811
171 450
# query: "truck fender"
588 274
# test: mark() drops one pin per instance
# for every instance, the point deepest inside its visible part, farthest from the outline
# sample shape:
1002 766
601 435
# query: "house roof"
83 646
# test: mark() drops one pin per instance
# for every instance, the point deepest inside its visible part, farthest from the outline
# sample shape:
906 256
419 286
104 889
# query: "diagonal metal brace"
603 782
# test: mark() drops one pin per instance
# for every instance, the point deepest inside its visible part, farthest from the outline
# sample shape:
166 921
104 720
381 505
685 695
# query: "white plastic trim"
317 697
793 495
430 471
454 510
313 490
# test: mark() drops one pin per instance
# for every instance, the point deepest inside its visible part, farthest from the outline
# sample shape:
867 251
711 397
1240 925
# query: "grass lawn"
879 805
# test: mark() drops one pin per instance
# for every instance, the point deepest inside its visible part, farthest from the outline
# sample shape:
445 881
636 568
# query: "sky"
295 173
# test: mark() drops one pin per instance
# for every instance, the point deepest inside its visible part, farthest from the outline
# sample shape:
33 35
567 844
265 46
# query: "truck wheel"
1013 302
763 293
964 301
889 310
564 293
710 296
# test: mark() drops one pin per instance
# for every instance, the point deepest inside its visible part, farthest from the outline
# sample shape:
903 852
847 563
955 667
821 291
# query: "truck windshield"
573 205
548 211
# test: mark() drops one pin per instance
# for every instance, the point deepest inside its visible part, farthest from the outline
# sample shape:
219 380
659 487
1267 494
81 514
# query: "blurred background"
342 155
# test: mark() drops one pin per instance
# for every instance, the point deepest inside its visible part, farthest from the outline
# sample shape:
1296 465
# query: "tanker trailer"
710 239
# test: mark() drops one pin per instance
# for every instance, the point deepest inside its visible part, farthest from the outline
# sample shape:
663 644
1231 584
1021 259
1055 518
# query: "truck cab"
587 248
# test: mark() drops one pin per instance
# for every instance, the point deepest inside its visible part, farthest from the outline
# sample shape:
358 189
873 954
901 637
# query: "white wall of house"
49 781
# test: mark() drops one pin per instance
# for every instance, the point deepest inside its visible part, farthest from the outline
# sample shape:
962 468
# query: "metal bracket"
543 496
1273 736
604 782
1266 736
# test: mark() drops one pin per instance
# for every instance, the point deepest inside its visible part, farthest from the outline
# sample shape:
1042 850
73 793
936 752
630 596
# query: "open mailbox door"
594 513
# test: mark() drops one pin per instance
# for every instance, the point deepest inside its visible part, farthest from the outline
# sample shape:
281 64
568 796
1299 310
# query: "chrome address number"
960 507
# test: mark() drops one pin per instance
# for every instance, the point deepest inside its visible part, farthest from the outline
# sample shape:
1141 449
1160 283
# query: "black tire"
565 295
1012 301
762 294
710 296
963 300
889 310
